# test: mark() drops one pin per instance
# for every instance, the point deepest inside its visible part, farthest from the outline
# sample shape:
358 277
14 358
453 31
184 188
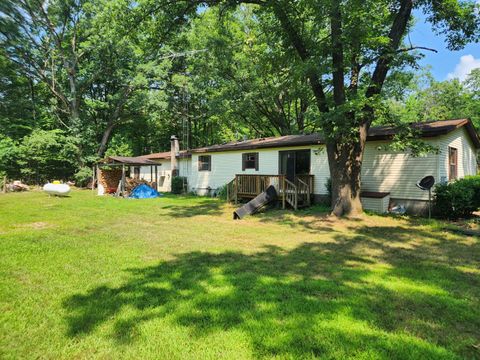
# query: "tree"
347 48
438 100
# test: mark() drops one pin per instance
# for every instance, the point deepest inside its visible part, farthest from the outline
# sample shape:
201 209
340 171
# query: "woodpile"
109 178
17 185
131 183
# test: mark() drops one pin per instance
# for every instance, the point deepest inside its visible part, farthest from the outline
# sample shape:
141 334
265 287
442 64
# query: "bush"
179 184
47 155
221 192
458 199
83 176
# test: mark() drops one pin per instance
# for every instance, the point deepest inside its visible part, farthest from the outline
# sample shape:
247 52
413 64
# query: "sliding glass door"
294 162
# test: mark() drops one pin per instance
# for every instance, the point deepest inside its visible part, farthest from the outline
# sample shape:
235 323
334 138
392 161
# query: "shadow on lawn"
202 207
362 295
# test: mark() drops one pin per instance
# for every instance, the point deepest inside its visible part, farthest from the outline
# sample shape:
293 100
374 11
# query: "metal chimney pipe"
174 151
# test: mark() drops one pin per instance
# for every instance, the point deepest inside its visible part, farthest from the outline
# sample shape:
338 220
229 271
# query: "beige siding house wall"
466 152
398 172
225 165
383 170
164 174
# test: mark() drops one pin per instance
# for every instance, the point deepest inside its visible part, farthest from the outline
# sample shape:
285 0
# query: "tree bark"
113 121
345 164
105 138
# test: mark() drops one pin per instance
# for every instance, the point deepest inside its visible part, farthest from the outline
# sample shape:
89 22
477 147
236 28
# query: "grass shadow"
355 296
197 208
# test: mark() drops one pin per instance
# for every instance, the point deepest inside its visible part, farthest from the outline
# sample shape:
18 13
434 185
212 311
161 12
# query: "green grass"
177 278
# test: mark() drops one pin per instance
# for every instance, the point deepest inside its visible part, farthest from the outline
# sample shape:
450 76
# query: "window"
250 161
136 172
452 163
296 162
204 163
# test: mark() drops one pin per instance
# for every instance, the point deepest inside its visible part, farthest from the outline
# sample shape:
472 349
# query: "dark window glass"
302 162
136 172
300 159
452 163
250 161
204 163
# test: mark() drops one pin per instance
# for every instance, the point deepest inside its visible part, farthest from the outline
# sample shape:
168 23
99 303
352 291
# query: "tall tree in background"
248 75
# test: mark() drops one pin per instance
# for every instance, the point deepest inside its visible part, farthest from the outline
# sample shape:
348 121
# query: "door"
290 172
294 163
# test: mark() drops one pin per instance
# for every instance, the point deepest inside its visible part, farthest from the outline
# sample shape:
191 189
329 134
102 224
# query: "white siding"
466 152
383 170
225 165
163 174
185 167
379 205
395 172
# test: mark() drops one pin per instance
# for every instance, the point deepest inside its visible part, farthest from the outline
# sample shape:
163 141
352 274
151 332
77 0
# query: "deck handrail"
291 193
303 191
294 192
231 191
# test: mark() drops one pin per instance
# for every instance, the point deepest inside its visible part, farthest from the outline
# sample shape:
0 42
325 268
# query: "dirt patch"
38 225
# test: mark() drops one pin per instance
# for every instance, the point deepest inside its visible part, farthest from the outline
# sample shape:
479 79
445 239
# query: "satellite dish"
426 184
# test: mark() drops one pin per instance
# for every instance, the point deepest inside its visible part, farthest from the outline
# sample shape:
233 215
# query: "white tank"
56 189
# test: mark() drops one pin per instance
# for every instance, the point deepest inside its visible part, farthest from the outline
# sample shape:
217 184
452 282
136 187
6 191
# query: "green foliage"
9 155
457 199
436 100
119 146
178 184
47 155
83 176
222 192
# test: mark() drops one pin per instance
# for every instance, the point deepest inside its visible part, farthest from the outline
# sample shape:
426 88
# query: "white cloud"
462 69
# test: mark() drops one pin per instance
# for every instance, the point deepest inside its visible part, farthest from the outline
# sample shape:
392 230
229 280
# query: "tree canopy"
121 76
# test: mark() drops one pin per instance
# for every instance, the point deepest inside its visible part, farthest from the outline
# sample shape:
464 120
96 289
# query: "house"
389 177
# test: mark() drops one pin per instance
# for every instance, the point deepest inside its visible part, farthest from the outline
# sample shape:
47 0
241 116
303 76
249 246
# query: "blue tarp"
144 191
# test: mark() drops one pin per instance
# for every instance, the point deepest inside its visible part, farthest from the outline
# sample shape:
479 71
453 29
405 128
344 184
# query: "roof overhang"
127 161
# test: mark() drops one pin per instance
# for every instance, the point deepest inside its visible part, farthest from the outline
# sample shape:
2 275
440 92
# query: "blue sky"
445 64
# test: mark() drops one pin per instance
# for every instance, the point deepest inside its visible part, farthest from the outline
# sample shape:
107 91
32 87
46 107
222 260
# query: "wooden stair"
296 194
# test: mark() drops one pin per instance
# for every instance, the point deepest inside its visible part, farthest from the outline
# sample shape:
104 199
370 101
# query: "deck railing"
293 193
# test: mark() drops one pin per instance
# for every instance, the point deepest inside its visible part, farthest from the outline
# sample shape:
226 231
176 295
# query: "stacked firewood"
132 183
110 179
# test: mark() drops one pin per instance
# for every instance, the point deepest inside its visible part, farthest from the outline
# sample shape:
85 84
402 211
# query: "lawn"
177 278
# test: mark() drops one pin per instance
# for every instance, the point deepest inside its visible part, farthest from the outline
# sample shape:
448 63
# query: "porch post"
236 189
122 186
283 189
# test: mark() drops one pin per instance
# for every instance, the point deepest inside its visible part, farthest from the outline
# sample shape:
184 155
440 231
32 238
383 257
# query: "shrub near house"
458 199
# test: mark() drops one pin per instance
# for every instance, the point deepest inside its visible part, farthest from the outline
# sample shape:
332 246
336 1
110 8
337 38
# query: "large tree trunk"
105 138
113 121
345 163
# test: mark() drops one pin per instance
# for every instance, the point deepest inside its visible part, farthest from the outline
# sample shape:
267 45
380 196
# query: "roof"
269 142
427 129
166 155
127 160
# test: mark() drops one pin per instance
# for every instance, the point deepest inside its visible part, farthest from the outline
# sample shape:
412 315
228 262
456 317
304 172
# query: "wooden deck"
296 194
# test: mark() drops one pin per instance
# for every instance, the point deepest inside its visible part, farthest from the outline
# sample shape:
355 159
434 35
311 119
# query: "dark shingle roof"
427 129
